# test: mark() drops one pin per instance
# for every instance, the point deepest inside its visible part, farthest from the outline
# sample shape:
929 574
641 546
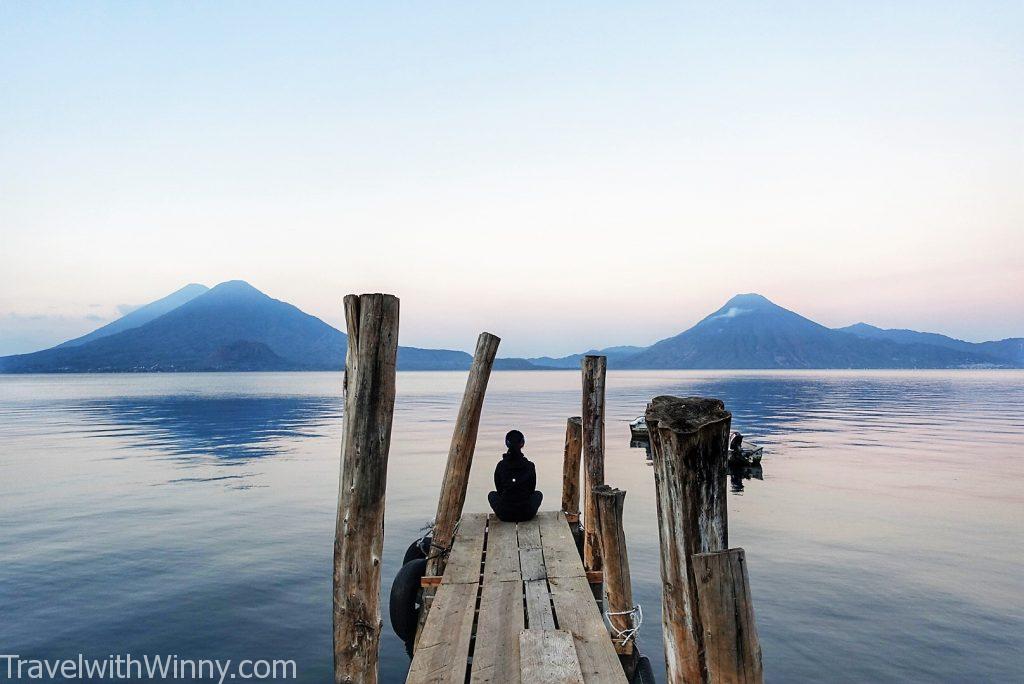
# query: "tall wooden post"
617 585
732 652
571 468
690 441
460 454
593 453
372 321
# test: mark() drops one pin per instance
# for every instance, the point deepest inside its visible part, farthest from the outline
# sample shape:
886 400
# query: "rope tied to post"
636 618
442 550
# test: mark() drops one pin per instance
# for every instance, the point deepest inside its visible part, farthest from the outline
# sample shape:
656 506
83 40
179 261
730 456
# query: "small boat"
740 455
743 456
638 429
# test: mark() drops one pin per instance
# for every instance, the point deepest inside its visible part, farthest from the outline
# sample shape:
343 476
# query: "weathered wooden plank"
732 652
460 453
464 562
545 550
501 618
690 443
571 465
464 559
496 656
618 587
529 534
560 555
442 651
577 613
539 614
594 370
502 551
531 562
372 321
549 656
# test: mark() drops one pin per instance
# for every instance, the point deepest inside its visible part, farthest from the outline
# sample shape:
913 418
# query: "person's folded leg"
515 511
532 505
495 501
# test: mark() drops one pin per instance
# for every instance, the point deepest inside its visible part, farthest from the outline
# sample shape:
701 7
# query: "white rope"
636 618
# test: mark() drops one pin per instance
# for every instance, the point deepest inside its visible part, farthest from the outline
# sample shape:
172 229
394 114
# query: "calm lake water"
193 514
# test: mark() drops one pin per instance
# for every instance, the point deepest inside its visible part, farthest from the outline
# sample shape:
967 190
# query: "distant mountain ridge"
142 315
573 360
235 327
1010 349
752 332
232 327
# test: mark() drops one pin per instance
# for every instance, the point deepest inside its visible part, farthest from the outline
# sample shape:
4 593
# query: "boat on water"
741 455
638 429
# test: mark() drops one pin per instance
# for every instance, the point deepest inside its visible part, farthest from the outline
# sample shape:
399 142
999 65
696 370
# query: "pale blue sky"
567 175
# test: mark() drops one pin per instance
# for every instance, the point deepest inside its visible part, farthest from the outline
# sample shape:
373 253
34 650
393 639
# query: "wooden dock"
506 602
514 605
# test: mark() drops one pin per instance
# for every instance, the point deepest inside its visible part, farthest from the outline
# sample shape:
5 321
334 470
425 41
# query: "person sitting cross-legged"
516 498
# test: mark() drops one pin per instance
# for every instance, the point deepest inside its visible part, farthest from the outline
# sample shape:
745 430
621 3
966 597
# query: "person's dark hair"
515 440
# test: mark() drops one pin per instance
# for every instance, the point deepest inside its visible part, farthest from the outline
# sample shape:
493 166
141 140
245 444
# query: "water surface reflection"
221 427
884 543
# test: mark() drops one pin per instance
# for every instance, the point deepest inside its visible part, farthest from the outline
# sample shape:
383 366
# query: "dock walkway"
514 605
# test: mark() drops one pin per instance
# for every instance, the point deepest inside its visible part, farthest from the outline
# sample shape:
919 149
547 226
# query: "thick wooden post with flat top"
732 652
372 321
690 441
571 467
617 585
593 453
460 454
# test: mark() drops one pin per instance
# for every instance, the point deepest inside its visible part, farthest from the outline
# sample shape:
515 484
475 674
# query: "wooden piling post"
732 652
594 369
571 468
689 440
460 453
372 321
617 585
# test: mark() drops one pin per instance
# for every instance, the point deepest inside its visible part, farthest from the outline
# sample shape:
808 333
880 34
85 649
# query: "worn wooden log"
689 441
571 467
594 368
732 652
372 321
460 453
617 585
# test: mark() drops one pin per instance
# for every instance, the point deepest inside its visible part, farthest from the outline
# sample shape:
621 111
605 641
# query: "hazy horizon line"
125 310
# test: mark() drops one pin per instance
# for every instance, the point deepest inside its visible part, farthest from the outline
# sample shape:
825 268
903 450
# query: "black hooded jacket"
515 477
